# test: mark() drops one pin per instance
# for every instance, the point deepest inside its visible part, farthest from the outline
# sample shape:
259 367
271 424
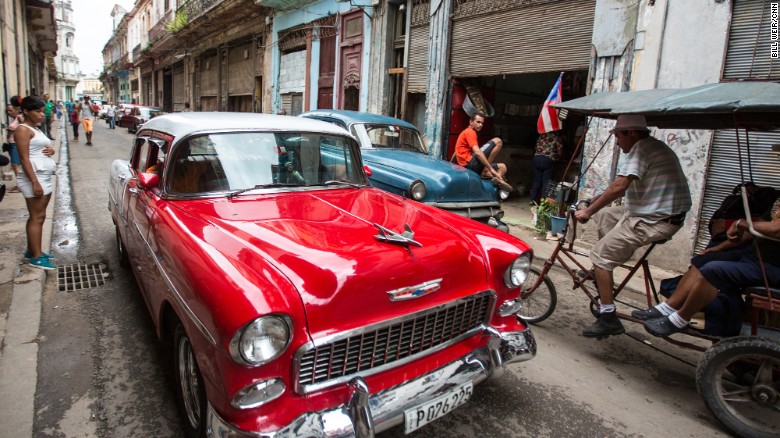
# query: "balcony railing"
136 52
194 8
159 30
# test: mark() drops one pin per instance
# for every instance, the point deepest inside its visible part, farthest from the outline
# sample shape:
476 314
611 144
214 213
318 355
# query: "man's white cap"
630 122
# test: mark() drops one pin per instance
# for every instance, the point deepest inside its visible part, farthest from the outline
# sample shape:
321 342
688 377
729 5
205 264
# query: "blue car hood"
444 181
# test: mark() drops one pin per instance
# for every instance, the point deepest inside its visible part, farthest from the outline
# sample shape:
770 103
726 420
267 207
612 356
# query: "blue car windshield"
394 137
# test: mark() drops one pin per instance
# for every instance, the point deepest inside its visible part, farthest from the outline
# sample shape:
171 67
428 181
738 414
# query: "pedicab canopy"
749 105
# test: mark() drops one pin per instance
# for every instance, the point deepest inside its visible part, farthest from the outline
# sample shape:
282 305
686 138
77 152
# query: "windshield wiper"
339 182
260 186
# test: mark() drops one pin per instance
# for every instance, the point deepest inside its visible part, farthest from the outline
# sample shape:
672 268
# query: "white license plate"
423 414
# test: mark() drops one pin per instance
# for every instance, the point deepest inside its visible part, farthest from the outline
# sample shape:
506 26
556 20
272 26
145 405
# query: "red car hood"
324 242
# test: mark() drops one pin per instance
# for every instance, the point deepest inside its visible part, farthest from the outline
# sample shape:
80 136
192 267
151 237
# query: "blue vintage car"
399 162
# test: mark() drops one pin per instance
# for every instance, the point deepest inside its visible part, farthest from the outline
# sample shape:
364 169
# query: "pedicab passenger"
657 199
730 269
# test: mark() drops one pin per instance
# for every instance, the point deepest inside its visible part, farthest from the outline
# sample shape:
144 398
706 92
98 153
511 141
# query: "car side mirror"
148 180
368 170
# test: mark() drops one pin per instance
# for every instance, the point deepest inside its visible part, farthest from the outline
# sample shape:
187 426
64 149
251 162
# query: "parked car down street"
399 162
132 117
294 298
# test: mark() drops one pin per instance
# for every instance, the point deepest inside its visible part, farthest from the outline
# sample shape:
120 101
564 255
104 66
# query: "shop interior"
513 104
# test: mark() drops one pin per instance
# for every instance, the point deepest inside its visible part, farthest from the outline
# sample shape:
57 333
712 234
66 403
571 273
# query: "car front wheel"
189 385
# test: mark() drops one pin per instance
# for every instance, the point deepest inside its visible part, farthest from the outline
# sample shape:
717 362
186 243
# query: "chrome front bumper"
366 414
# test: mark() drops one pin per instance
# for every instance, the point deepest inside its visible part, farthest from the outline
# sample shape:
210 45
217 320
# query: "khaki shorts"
620 235
87 125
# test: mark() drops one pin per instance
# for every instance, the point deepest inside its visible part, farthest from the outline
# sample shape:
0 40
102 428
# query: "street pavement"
21 289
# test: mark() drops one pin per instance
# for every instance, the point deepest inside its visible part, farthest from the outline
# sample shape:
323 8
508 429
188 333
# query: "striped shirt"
661 189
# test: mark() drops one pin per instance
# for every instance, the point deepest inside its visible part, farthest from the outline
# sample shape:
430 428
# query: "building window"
69 40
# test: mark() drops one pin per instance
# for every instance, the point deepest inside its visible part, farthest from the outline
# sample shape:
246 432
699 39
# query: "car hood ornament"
412 292
405 239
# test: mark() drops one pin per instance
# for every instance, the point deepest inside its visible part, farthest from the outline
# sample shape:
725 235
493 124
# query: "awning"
752 105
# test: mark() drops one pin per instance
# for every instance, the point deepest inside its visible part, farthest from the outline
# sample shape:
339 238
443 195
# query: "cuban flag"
548 119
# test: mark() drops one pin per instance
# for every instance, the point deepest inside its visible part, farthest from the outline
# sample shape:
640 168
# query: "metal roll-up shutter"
723 172
241 70
749 51
499 37
179 93
419 36
208 73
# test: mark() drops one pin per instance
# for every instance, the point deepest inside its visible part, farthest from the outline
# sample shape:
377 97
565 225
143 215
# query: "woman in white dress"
35 177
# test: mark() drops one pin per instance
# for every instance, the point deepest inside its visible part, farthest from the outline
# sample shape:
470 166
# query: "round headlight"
261 341
517 272
503 194
417 190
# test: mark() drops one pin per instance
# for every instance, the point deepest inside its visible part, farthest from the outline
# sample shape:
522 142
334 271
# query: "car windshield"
394 137
231 162
147 113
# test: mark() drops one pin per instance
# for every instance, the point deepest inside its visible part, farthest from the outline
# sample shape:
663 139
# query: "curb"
18 346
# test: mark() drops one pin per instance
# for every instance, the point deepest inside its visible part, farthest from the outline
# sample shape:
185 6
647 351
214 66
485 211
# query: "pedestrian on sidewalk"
87 115
58 109
48 113
14 112
35 179
110 114
75 120
549 149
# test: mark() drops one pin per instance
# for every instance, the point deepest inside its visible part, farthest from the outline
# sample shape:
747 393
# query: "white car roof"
186 123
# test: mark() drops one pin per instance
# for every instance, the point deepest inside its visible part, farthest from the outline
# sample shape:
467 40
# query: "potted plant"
543 211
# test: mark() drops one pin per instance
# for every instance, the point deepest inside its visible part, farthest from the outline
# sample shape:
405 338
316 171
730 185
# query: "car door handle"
122 178
132 190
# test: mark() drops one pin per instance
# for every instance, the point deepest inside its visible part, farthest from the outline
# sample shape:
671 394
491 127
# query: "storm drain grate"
81 276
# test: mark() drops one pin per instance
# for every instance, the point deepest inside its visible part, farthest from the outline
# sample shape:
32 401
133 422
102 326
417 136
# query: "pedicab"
738 377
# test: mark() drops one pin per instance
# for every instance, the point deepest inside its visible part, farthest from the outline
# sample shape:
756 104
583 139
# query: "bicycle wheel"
739 380
541 302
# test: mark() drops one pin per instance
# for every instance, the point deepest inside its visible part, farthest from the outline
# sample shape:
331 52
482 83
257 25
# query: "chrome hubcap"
188 379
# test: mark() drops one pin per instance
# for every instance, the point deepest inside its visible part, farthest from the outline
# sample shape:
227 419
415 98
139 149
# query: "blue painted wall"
314 11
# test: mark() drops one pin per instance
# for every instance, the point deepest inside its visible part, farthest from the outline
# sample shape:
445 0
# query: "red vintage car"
296 299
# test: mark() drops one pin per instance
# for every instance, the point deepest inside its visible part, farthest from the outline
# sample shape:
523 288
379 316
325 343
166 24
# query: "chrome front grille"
389 344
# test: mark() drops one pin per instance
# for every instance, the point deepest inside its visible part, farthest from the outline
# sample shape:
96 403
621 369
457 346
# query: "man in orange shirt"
480 159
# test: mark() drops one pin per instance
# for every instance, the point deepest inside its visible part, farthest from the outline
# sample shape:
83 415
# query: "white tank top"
37 144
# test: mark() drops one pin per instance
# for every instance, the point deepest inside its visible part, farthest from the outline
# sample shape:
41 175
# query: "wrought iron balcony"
136 52
283 5
159 30
195 8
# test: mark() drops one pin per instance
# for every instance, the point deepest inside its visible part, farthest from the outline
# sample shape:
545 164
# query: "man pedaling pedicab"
731 268
657 199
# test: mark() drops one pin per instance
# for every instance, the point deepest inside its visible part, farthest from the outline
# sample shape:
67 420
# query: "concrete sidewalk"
21 289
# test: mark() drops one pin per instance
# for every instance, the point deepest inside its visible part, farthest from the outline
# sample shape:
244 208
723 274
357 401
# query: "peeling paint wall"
323 8
677 44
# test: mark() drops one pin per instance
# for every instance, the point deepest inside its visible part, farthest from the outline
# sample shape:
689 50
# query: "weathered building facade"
251 55
427 60
68 70
28 40
667 44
